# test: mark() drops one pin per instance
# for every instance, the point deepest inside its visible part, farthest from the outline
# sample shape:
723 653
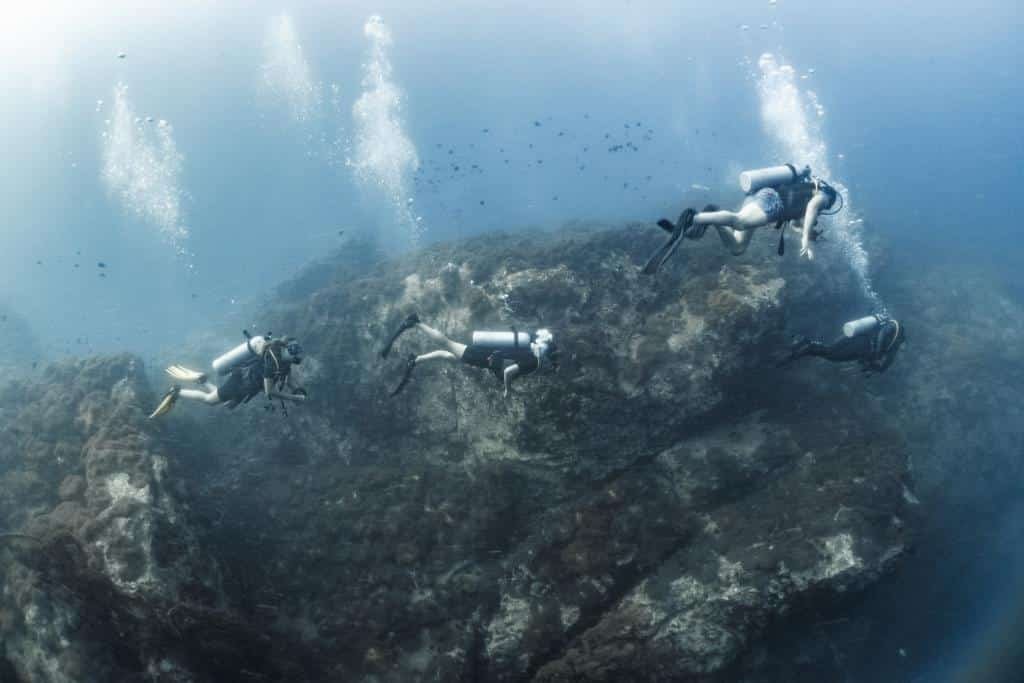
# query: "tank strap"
515 337
895 336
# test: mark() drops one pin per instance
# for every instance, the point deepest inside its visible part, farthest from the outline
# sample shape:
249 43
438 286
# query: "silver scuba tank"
868 323
501 340
243 352
756 179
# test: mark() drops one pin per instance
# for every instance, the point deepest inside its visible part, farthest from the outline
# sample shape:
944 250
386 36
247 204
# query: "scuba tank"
756 179
501 340
855 328
242 353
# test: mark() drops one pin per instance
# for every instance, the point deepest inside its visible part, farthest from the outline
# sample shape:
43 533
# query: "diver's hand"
299 391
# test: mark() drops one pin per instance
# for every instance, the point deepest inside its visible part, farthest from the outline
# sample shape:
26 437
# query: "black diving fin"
407 324
677 232
664 253
410 365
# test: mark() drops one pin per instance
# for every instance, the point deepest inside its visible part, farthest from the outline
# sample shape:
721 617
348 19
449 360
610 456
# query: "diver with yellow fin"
871 341
776 195
508 354
260 364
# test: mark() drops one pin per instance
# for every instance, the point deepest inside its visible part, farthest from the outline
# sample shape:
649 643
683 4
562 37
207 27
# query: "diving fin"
407 324
183 374
659 257
797 350
410 365
168 401
782 243
677 232
695 231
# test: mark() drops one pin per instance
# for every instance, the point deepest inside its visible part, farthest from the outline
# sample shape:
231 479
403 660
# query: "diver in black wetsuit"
261 365
506 354
874 348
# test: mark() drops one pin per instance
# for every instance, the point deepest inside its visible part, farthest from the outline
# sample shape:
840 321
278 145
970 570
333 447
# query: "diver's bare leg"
454 347
736 241
749 217
437 355
735 229
729 218
413 361
210 398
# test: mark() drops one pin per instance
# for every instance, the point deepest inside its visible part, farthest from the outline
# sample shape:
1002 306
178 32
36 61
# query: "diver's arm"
296 389
271 392
810 220
511 372
886 362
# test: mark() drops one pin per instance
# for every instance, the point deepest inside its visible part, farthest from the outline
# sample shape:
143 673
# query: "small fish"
101 264
121 55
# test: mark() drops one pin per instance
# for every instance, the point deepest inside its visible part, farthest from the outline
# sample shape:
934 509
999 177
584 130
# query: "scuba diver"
872 341
774 195
506 354
260 364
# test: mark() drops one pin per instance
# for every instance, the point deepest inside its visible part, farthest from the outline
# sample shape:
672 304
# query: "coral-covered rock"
642 514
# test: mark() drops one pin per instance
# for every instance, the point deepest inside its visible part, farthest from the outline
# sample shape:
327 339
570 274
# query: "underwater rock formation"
644 514
103 576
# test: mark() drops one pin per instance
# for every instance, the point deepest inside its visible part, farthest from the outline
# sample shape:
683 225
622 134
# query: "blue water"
266 164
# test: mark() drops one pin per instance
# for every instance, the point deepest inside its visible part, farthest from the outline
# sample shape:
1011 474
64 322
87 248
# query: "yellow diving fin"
183 374
168 401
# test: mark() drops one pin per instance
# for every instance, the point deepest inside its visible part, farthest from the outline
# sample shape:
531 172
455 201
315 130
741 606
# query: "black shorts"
241 384
477 356
481 357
